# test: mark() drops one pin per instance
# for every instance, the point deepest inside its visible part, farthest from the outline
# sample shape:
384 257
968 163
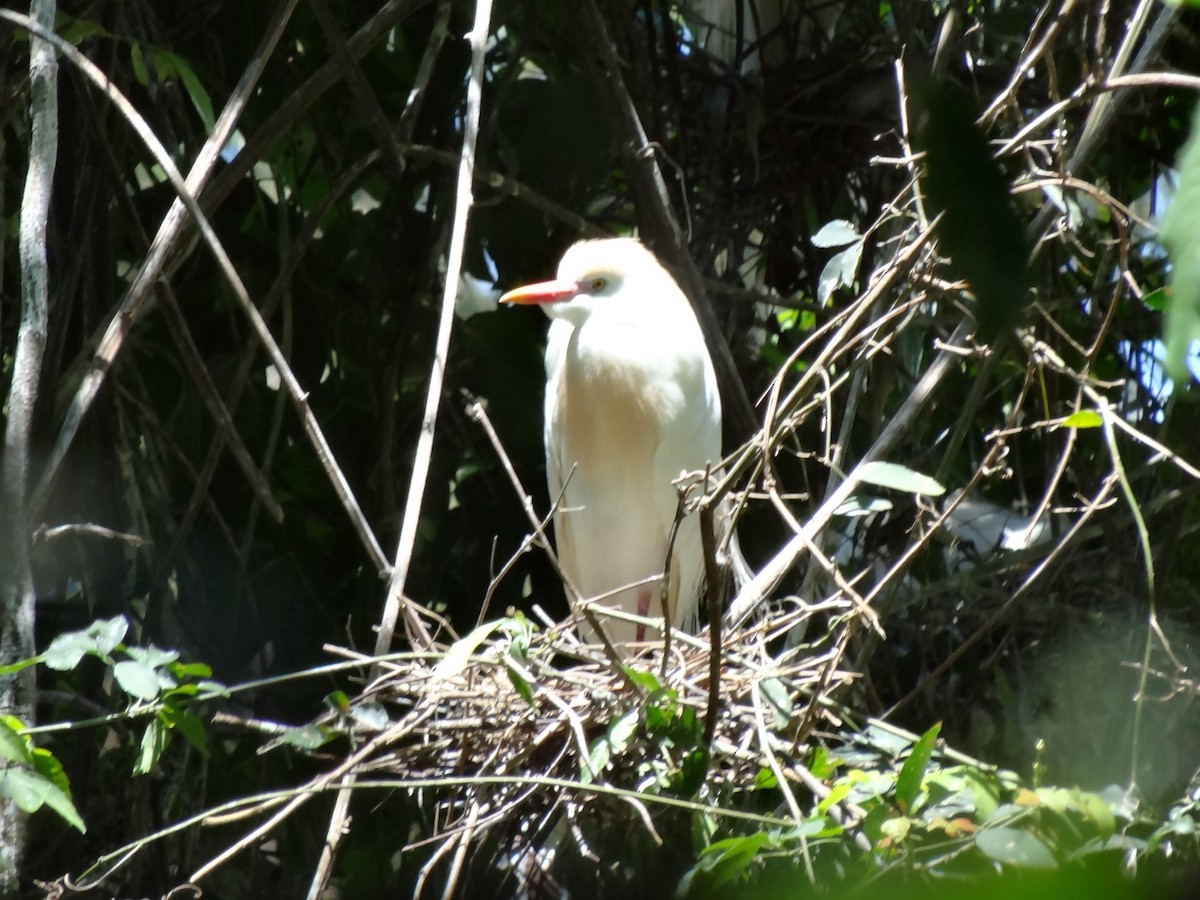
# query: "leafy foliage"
1026 543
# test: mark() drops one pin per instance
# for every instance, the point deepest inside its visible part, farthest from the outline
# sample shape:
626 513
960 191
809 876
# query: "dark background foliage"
336 213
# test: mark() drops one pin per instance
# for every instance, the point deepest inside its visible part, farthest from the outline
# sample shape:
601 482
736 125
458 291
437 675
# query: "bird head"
615 275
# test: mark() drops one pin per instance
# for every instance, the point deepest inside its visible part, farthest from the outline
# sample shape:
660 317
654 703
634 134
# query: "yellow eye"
598 284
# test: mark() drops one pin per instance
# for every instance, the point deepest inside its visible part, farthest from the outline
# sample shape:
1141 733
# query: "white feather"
631 402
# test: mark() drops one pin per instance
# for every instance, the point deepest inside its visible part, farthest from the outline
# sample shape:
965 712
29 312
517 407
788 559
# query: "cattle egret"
631 403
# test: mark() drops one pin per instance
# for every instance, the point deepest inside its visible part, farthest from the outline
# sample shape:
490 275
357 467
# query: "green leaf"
1157 300
55 798
837 233
191 670
99 639
775 693
307 737
1083 418
74 30
912 773
459 654
108 633
213 689
47 765
1094 807
520 684
30 791
152 656
838 272
372 716
14 746
18 786
862 505
1181 237
727 859
138 60
66 650
822 763
1015 847
896 828
189 725
765 780
979 230
137 680
836 795
647 681
154 742
900 478
169 64
613 743
661 712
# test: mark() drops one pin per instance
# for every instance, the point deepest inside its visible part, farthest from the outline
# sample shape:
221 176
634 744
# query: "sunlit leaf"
154 742
189 725
775 693
727 859
862 505
100 638
1157 300
839 272
912 773
152 656
900 478
372 716
1083 418
191 670
30 791
307 737
180 67
1181 236
614 742
1097 810
137 679
645 680
459 654
837 233
13 746
46 764
1015 847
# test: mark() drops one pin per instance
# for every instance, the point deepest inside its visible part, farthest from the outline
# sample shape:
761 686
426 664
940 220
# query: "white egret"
631 402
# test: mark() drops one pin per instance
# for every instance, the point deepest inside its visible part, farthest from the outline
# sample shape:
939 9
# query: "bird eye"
598 284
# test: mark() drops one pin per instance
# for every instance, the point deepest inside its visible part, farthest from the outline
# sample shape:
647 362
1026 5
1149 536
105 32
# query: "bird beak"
542 292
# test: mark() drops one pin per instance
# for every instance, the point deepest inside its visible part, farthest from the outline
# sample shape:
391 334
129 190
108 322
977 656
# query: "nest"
522 746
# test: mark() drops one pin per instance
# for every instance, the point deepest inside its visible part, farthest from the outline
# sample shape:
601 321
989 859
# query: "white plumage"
631 402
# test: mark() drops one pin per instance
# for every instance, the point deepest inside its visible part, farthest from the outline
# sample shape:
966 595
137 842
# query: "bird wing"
557 468
693 441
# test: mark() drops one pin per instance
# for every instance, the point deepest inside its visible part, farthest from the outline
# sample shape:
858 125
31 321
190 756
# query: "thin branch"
119 327
424 451
17 596
168 233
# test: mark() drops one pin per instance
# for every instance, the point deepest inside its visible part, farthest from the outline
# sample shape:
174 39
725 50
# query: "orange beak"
542 292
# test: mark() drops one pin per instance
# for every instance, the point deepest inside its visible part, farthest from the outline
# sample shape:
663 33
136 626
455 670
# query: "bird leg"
643 610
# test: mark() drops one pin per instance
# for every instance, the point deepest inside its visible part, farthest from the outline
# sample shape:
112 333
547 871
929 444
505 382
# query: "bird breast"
621 389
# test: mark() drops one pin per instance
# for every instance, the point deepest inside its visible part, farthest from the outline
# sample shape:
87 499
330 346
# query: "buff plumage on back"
631 402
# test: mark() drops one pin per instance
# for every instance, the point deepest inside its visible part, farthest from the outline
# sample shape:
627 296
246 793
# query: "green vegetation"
924 237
